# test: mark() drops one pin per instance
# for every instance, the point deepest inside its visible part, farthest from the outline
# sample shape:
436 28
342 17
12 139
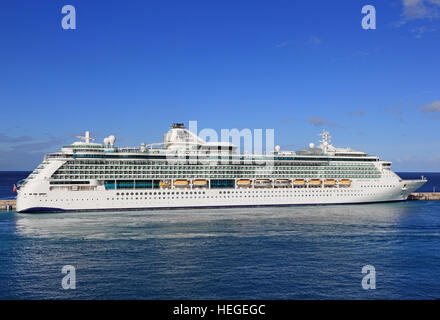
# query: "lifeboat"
315 182
244 183
261 183
329 182
299 183
200 183
164 184
181 183
344 182
282 183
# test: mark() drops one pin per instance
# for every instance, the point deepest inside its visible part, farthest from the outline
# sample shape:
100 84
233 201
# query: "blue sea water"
308 252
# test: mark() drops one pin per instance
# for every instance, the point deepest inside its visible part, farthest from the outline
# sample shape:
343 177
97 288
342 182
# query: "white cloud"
420 9
8 139
321 122
432 107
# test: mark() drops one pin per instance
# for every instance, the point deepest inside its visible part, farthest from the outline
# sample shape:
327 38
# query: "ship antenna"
86 137
326 140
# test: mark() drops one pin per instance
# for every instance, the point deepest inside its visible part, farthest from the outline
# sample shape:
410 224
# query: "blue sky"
131 68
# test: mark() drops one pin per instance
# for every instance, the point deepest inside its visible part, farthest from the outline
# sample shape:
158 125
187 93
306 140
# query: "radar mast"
86 137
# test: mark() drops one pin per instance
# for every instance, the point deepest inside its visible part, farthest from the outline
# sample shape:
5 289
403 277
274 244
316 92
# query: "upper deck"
181 144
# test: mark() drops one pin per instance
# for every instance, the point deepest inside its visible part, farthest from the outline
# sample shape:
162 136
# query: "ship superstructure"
184 171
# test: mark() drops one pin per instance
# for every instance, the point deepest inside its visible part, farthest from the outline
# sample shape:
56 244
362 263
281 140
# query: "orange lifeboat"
315 182
344 182
244 183
200 183
299 183
330 182
181 183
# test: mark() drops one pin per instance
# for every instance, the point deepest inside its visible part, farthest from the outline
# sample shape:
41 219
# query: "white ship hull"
111 200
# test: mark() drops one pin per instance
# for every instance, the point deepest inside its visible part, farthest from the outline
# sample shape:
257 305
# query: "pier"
424 196
7 205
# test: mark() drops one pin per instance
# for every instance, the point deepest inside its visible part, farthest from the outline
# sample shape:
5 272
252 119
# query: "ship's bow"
409 186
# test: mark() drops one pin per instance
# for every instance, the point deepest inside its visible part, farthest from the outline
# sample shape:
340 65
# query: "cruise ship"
185 171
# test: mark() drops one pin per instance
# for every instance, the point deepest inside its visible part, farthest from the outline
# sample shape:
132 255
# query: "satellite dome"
277 148
311 145
112 139
106 141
